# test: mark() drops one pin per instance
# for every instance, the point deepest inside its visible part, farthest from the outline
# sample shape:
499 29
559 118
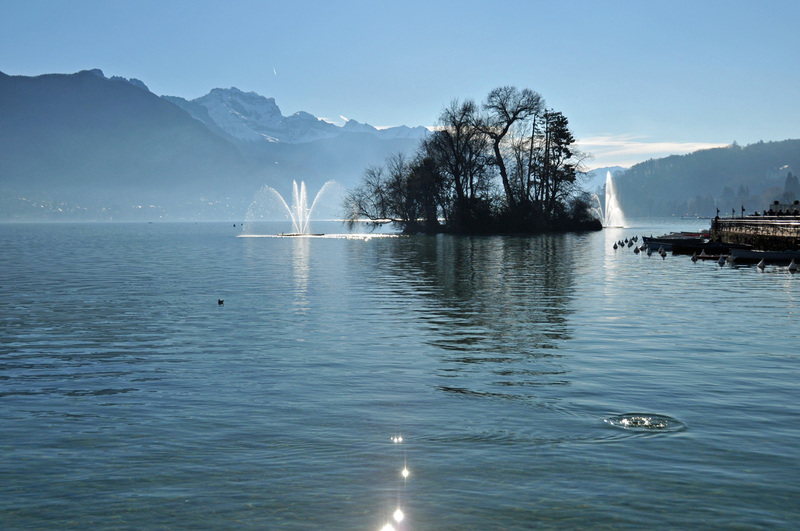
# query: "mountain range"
250 117
84 146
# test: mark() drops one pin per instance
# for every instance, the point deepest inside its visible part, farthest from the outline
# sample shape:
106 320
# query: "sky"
636 79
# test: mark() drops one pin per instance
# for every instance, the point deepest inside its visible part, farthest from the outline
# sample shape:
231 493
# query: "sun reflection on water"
348 236
398 515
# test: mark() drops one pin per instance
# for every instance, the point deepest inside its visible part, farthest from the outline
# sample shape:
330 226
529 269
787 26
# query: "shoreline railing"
773 226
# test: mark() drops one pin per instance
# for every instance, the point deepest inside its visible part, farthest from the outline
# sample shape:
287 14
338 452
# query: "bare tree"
369 200
459 149
504 107
453 176
406 192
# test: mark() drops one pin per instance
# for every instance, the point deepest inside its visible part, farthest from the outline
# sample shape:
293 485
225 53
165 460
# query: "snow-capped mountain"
250 117
84 146
389 133
403 131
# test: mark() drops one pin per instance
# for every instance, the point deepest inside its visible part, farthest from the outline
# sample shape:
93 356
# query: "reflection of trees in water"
497 307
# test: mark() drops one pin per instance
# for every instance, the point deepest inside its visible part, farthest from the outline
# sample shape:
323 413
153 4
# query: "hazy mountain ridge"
594 181
83 146
85 134
698 183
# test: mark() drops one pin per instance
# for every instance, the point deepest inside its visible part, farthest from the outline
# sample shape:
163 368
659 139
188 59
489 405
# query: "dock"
769 233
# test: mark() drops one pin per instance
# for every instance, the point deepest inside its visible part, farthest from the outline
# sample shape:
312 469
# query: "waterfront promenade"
773 233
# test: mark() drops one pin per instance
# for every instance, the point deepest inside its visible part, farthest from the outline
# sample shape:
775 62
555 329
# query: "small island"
507 166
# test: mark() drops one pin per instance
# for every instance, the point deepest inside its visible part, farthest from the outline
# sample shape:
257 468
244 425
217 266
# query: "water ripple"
646 422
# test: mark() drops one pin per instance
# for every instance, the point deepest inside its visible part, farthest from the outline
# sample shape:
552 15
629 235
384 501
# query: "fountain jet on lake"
610 214
269 202
300 212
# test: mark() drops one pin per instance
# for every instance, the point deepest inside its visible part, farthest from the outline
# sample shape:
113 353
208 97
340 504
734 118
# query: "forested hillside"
726 178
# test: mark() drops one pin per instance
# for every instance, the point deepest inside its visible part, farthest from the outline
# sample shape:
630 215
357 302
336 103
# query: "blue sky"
636 79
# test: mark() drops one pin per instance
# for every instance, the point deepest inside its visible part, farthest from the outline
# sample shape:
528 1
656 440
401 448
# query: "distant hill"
726 178
594 181
83 146
84 143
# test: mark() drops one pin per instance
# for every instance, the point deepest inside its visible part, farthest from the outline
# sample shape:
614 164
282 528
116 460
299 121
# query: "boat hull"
746 256
690 245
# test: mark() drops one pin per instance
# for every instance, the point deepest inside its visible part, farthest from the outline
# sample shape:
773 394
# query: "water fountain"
269 203
610 213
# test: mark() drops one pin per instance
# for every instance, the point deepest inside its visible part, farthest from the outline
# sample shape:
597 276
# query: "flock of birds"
721 259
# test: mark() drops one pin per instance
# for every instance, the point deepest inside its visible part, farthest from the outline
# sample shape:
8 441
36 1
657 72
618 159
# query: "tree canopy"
508 165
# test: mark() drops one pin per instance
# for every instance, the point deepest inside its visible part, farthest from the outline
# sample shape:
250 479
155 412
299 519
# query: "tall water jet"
613 213
268 204
300 212
610 212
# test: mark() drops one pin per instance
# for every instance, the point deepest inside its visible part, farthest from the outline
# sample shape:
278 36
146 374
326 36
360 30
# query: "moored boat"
710 247
714 257
749 256
690 243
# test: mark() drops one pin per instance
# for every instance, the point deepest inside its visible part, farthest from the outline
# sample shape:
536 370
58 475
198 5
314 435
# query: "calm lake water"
519 373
